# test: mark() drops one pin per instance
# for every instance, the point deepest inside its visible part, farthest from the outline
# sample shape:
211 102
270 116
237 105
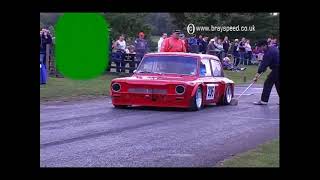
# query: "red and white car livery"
183 80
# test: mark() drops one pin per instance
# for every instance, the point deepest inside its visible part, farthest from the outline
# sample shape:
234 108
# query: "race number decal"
210 91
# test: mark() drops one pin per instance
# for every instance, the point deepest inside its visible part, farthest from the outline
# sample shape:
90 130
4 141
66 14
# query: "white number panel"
211 89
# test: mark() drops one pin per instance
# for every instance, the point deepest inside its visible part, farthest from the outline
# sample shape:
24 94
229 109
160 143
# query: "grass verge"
266 155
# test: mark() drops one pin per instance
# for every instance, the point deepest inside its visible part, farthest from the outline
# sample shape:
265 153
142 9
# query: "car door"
208 80
217 76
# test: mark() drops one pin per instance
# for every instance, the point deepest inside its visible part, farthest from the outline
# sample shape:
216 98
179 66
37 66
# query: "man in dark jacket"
141 46
270 59
204 44
193 44
226 45
200 43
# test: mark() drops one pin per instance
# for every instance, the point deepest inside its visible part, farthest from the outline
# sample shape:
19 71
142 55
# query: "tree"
129 24
49 19
160 23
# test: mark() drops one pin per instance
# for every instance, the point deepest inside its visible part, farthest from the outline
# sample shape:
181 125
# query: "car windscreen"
168 65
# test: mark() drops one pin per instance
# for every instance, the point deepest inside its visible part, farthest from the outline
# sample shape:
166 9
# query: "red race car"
183 80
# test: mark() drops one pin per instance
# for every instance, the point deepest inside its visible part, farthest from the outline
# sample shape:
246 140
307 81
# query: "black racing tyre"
227 96
197 101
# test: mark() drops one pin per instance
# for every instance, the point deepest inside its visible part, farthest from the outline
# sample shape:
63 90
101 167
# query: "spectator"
235 52
218 45
130 56
141 46
164 36
193 44
226 64
130 50
211 48
119 55
226 45
200 43
219 49
242 50
173 43
45 38
184 40
269 41
248 51
120 44
215 38
204 44
274 43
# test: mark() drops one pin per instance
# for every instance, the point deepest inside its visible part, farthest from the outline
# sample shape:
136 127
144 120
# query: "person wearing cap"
141 46
173 43
164 36
270 59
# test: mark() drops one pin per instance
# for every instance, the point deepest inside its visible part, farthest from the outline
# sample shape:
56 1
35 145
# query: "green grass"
64 88
246 76
266 155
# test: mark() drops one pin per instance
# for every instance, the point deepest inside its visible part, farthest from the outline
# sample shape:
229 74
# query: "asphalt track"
92 133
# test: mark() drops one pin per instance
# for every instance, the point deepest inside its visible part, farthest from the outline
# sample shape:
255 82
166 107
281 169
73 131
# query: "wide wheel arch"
195 89
224 91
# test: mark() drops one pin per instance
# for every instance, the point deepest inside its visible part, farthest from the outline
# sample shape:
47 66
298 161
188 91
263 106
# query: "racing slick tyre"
120 106
227 96
197 103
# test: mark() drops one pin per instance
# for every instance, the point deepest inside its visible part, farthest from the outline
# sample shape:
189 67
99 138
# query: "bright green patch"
266 155
82 41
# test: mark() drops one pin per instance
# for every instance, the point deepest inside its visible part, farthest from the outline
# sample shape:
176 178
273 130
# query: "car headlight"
116 87
180 89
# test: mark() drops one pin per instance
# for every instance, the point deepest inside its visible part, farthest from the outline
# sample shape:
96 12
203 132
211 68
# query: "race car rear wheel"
227 96
197 103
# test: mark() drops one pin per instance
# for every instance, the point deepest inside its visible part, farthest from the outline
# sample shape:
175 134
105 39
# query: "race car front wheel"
196 103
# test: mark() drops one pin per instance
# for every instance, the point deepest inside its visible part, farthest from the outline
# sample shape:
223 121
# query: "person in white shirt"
120 44
248 51
164 36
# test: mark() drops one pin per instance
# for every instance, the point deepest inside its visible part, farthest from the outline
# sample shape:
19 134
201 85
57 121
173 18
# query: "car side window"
216 68
205 69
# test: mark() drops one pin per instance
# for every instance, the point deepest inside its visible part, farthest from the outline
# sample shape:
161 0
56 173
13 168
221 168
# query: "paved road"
94 134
